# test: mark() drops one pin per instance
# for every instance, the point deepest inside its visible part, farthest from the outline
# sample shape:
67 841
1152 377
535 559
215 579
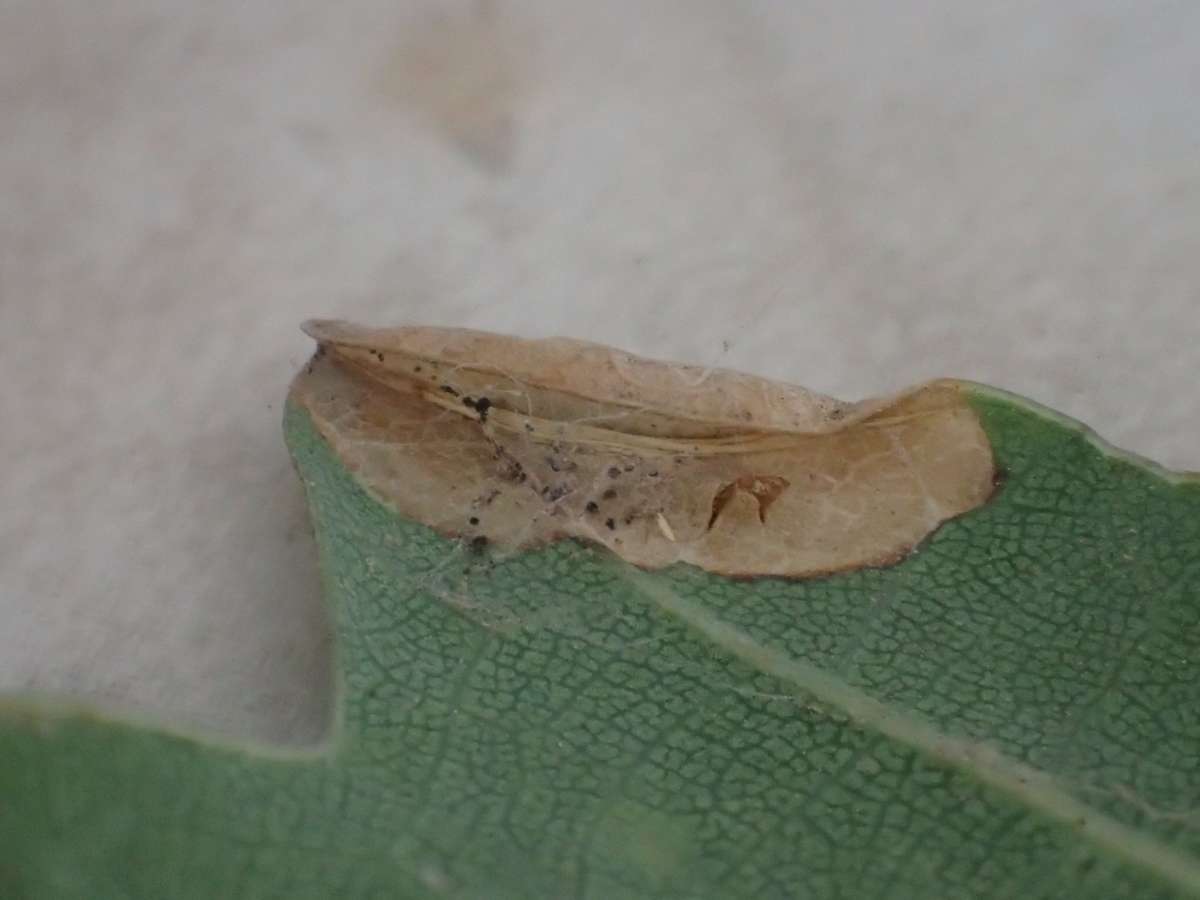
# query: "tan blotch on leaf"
523 442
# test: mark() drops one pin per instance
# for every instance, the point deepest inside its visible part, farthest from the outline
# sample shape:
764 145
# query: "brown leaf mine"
512 443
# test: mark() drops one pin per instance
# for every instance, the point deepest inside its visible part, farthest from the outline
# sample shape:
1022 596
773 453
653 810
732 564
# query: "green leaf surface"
1012 711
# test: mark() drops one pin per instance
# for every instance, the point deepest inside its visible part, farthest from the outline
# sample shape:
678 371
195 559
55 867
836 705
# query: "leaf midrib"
1033 788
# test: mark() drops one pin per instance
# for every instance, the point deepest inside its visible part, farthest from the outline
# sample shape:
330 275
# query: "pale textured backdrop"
853 196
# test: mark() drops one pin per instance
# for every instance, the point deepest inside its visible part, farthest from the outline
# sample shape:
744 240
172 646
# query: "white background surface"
852 196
